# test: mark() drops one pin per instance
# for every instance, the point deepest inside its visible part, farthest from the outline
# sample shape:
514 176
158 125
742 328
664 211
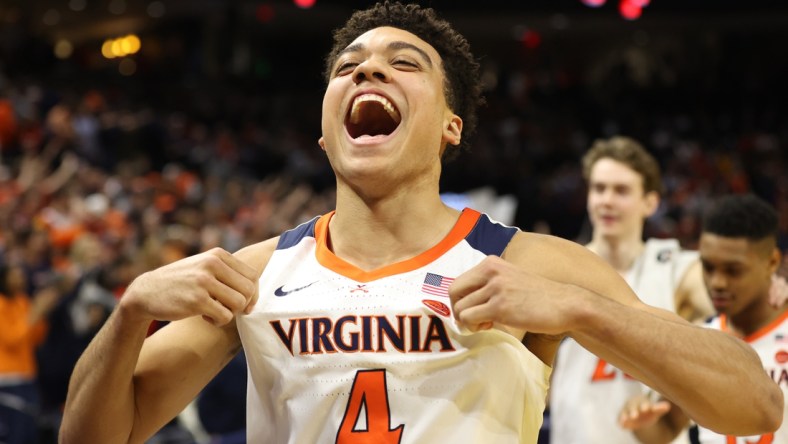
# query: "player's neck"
754 318
620 252
371 235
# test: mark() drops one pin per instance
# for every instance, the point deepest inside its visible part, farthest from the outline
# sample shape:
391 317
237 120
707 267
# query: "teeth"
355 111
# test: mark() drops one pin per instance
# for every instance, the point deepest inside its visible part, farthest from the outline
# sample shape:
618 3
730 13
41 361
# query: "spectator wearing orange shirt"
22 330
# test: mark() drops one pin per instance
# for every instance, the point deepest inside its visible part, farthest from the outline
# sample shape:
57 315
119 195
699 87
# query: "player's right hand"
215 285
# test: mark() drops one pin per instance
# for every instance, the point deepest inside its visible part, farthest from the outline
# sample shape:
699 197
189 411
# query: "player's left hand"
496 291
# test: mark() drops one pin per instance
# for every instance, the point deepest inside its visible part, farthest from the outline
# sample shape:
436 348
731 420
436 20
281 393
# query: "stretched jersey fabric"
587 393
771 344
338 354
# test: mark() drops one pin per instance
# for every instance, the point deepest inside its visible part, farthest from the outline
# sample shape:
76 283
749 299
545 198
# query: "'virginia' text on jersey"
350 334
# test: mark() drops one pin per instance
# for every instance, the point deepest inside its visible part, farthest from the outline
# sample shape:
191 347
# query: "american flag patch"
436 285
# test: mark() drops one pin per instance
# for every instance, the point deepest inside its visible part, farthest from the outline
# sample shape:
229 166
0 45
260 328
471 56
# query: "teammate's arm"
692 299
552 286
125 387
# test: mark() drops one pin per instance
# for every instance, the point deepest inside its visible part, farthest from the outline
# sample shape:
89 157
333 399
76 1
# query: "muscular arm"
125 387
552 286
138 385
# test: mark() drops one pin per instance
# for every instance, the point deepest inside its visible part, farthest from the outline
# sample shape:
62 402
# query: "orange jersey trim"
761 332
463 227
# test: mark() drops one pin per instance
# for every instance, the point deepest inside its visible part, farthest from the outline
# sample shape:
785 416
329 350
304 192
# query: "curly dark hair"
743 216
463 87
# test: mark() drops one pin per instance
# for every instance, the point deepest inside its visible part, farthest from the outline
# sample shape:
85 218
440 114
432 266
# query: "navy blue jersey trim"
292 237
490 237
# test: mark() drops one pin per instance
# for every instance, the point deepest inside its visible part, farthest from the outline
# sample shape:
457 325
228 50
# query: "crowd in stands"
82 219
96 188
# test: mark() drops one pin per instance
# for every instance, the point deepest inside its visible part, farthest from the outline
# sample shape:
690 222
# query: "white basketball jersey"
338 354
771 344
587 393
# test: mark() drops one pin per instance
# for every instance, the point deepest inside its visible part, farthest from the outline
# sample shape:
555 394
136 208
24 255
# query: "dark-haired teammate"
738 248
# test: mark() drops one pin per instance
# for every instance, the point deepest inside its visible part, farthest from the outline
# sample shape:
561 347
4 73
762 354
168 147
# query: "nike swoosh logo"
282 292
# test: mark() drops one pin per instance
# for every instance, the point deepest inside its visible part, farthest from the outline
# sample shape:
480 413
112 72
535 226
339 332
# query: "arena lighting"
304 4
121 46
594 3
629 10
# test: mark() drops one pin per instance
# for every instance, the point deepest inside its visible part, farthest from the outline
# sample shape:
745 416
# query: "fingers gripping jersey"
338 354
771 344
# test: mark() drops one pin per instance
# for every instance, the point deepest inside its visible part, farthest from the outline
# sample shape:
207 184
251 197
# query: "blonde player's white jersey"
338 354
771 344
587 393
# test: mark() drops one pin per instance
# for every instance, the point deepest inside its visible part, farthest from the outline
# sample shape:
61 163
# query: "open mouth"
372 115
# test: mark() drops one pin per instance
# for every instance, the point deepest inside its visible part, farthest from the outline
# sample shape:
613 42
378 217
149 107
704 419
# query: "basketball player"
395 318
624 187
738 248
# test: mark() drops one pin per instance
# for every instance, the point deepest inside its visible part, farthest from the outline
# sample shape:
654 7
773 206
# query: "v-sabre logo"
282 292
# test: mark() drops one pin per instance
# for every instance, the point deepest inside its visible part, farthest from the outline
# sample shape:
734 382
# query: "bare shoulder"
257 255
553 257
197 335
568 262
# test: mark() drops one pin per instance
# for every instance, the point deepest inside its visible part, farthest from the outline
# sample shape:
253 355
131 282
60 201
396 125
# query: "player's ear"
452 129
651 200
322 142
775 260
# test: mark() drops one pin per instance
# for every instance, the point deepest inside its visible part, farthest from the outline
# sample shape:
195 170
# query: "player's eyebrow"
405 45
395 45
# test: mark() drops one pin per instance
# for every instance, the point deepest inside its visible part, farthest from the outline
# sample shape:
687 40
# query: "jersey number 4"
369 397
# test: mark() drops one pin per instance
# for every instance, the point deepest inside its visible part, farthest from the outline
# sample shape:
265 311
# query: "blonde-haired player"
624 186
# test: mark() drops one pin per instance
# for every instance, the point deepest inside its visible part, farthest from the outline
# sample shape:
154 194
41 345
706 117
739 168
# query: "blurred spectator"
222 404
23 329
